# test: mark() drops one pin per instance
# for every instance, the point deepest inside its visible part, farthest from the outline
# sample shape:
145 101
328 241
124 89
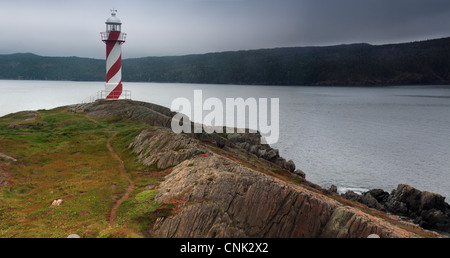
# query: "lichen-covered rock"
429 210
414 200
163 148
365 198
220 198
161 116
333 189
251 142
302 174
380 195
126 109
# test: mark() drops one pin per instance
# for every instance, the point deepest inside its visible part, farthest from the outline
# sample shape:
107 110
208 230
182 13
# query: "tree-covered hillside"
425 62
32 67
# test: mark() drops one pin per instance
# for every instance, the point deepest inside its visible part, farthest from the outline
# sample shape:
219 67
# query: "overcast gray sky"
178 27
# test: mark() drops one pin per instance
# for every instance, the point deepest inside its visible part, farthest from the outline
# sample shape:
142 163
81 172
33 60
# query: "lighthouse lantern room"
113 38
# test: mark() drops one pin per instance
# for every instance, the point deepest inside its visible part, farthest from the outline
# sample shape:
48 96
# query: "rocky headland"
167 185
231 185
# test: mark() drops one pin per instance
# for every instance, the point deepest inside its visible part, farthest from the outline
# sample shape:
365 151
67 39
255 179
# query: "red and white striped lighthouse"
114 38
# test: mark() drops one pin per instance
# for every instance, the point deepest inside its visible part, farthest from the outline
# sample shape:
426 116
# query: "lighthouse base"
113 90
126 94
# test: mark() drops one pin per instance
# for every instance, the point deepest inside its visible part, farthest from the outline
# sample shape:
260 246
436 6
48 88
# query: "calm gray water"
355 138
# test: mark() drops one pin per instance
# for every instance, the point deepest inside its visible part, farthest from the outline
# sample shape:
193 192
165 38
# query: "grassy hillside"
417 63
64 156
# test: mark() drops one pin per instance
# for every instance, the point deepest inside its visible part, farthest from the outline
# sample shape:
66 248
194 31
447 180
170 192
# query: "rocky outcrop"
126 109
366 199
216 197
160 116
219 186
165 149
429 210
251 142
26 120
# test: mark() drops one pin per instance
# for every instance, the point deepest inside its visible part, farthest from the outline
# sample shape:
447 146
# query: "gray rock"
371 202
290 165
429 210
380 195
414 201
261 153
271 154
352 196
7 158
333 189
365 198
432 201
163 148
254 149
300 173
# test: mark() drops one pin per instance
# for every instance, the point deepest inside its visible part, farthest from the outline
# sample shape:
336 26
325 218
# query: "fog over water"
355 138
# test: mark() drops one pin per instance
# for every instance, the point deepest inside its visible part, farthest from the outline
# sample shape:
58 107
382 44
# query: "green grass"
64 155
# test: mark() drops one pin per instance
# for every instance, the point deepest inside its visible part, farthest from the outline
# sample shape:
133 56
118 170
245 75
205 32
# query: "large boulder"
380 195
429 210
432 201
300 174
415 201
365 198
434 219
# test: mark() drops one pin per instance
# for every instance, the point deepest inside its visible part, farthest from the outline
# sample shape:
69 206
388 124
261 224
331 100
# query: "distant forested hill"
32 67
425 62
